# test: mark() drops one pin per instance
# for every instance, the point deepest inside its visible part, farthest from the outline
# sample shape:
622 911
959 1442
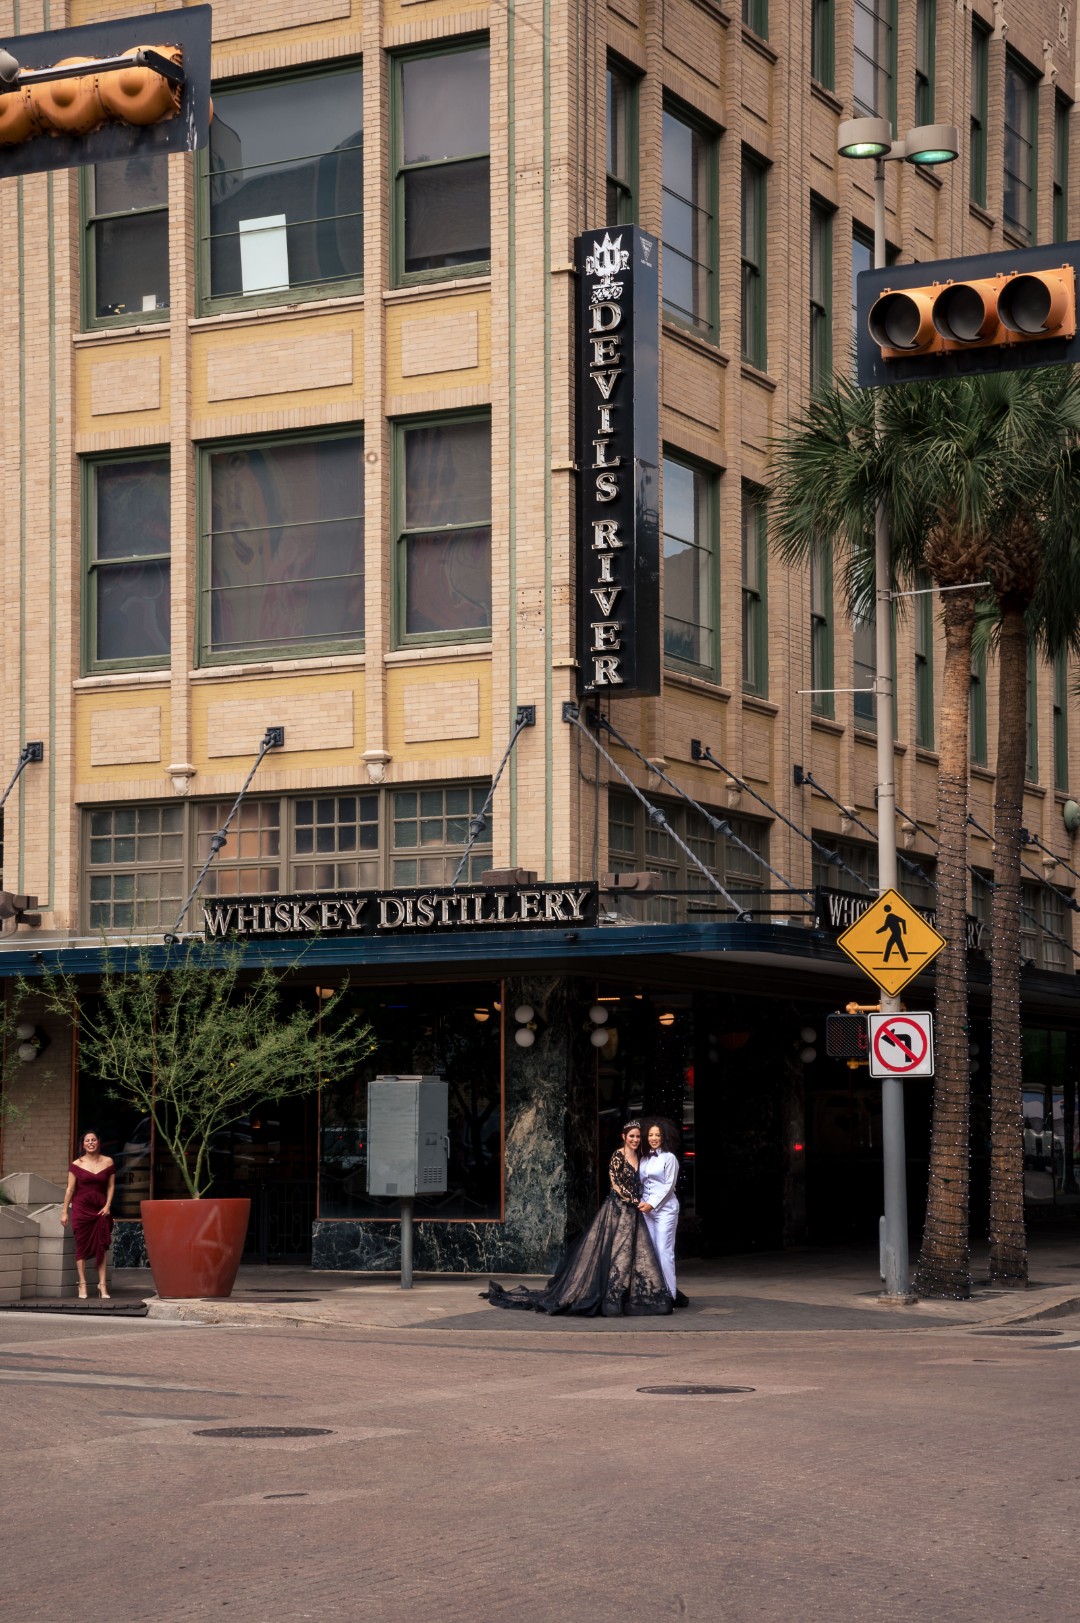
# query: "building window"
755 14
1044 928
864 671
1062 109
862 259
820 296
285 215
127 562
252 861
622 145
924 662
690 549
977 708
875 59
754 324
126 256
690 241
980 97
135 867
1061 722
442 140
925 28
443 502
638 843
822 42
821 633
429 828
1031 767
754 594
283 547
1020 149
335 843
859 858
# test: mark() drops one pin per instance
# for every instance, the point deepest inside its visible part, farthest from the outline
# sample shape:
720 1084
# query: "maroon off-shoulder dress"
92 1231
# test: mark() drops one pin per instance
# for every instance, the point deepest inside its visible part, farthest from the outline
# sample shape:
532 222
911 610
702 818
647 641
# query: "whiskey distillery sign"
404 912
618 457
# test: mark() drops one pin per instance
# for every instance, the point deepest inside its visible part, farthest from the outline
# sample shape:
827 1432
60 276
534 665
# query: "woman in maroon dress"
89 1196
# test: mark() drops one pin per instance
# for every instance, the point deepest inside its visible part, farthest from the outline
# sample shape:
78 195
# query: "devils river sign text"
403 912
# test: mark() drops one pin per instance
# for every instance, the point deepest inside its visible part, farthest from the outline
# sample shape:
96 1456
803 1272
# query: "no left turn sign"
901 1045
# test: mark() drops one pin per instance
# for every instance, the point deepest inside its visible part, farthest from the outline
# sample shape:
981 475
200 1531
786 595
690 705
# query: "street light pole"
930 144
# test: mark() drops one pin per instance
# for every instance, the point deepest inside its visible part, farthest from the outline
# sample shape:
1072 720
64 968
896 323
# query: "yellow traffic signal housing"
1019 307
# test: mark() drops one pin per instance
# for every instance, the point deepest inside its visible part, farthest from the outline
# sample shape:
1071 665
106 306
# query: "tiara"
629 1124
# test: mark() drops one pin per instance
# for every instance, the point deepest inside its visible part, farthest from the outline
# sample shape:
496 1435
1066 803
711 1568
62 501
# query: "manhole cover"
692 1391
267 1431
1018 1332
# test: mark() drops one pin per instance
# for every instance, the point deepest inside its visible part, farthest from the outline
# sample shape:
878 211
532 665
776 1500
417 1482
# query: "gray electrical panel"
407 1140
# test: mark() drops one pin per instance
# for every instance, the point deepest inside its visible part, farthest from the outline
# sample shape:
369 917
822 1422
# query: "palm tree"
946 458
1033 563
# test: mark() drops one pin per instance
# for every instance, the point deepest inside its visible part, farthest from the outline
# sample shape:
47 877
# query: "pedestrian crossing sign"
891 942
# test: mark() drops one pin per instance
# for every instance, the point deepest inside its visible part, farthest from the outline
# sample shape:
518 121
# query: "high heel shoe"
103 1293
82 1293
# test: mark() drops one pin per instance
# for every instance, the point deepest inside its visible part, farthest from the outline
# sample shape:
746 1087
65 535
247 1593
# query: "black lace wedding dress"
612 1269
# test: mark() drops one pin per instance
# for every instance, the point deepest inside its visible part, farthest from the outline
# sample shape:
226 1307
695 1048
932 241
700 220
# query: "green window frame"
281 546
429 828
979 114
133 867
125 243
977 742
875 59
755 330
864 671
755 593
690 231
691 548
420 179
1062 110
1031 763
1021 148
821 335
126 527
270 258
924 662
823 43
862 259
755 14
622 144
925 31
822 698
1061 721
443 535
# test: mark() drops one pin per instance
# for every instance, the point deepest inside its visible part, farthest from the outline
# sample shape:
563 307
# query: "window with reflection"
875 59
134 867
1020 121
979 110
128 568
690 546
452 1031
283 554
622 106
690 239
335 841
441 145
822 699
285 188
126 260
429 829
249 864
443 489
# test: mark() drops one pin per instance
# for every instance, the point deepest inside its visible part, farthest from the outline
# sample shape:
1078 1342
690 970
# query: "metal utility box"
407 1140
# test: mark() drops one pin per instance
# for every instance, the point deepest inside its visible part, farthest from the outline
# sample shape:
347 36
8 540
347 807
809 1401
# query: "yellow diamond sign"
891 942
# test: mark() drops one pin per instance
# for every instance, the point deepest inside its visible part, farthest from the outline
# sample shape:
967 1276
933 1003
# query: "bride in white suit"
659 1205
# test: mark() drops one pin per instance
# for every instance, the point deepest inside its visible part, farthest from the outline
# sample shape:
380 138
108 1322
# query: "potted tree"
195 1044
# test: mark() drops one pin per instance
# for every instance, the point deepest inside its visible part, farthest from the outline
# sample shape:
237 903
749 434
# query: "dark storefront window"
454 1031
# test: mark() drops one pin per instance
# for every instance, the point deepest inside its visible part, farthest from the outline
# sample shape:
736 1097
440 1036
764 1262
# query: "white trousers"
662 1225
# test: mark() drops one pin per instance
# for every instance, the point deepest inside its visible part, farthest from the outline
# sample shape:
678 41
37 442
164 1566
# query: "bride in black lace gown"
613 1268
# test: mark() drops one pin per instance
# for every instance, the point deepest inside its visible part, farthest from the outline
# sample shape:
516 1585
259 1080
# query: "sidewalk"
786 1291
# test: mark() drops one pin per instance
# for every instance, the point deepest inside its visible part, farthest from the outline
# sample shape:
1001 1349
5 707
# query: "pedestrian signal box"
957 317
846 1036
407 1139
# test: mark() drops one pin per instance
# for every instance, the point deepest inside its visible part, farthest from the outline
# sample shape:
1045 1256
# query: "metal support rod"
894 1151
28 753
146 57
526 717
406 1242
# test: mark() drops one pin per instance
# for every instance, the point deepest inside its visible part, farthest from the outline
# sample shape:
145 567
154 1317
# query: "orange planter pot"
194 1246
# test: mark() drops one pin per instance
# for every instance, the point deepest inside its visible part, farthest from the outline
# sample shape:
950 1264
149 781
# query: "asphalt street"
513 1474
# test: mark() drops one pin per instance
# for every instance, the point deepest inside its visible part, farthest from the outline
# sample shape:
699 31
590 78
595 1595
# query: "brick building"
287 439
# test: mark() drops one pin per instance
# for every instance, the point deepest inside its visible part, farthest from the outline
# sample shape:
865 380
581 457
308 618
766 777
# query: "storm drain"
266 1431
692 1391
1018 1332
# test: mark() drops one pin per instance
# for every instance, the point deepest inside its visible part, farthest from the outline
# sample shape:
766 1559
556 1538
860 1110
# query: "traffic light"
960 317
84 100
1024 308
846 1036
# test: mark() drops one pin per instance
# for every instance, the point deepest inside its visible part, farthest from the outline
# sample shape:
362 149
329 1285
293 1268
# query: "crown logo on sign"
607 258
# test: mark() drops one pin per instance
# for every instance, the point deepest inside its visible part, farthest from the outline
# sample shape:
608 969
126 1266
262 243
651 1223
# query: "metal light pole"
929 144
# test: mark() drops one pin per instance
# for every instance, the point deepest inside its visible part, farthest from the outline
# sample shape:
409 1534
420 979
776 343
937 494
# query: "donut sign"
901 1045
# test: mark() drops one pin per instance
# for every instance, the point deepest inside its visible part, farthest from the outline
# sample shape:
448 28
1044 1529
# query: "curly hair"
670 1137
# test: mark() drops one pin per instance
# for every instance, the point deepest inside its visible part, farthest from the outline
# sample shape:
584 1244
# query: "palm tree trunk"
1008 1247
944 1268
